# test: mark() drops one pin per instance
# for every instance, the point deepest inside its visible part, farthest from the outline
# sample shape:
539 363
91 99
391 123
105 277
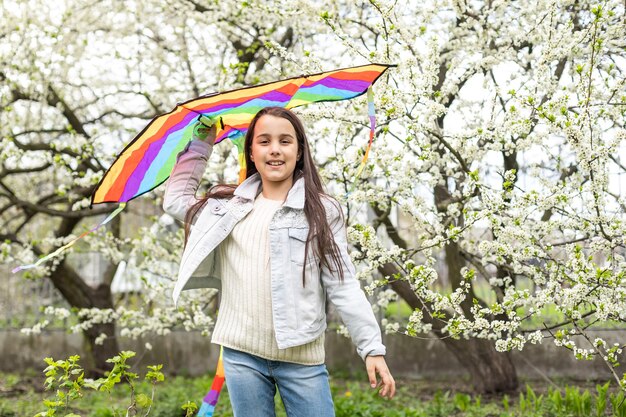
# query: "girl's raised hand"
377 365
205 129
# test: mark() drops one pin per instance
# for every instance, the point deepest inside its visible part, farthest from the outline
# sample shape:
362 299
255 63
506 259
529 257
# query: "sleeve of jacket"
180 191
353 307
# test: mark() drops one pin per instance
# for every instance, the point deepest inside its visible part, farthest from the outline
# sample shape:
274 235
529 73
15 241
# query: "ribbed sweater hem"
268 357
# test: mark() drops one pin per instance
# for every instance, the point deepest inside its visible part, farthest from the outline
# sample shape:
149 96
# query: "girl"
276 246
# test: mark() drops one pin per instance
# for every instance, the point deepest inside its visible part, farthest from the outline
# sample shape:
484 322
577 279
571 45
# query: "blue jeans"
252 382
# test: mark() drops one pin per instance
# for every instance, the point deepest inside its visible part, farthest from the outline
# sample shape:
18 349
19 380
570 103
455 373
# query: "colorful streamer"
210 399
69 245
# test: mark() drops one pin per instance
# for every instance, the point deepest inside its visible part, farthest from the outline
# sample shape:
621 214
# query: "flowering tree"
502 145
497 154
77 82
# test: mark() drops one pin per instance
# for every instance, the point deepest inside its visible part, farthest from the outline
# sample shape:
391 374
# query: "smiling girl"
276 246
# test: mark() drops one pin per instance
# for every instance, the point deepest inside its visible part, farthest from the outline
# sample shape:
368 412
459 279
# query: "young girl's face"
274 149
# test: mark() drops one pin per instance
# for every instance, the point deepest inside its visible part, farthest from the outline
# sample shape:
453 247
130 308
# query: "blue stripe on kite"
206 410
150 178
324 91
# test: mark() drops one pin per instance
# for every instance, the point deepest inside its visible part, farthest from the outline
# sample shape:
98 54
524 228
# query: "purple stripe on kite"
275 96
172 145
269 96
211 397
350 85
133 183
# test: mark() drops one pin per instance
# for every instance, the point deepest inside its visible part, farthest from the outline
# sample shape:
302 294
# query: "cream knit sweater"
244 321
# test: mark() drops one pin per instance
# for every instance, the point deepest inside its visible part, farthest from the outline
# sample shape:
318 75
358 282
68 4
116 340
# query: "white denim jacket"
298 311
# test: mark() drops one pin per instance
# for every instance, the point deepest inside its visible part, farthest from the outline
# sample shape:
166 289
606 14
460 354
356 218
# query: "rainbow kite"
147 161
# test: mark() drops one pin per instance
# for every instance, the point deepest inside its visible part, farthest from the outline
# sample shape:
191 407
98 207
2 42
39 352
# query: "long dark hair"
319 229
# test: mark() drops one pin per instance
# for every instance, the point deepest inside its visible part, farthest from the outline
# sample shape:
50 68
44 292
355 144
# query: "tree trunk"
97 353
80 295
490 371
95 363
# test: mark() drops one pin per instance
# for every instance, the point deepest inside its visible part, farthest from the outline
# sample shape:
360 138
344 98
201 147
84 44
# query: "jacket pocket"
297 244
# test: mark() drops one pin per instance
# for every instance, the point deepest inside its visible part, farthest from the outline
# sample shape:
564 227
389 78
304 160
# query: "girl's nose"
274 148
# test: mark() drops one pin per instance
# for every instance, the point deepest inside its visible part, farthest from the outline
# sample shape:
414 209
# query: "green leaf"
190 407
144 401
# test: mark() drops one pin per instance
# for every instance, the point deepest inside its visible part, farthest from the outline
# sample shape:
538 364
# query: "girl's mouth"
276 163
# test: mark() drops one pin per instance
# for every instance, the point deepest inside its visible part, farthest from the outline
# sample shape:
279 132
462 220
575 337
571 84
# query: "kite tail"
372 116
210 399
70 244
240 142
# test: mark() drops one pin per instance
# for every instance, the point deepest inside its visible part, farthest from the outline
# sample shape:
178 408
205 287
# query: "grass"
22 395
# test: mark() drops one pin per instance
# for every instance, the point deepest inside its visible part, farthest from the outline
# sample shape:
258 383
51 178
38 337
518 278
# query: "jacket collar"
251 188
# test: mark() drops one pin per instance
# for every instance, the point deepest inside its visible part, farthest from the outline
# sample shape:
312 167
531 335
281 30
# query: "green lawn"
22 396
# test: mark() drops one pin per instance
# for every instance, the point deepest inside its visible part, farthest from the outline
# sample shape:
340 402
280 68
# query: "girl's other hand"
205 130
377 365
